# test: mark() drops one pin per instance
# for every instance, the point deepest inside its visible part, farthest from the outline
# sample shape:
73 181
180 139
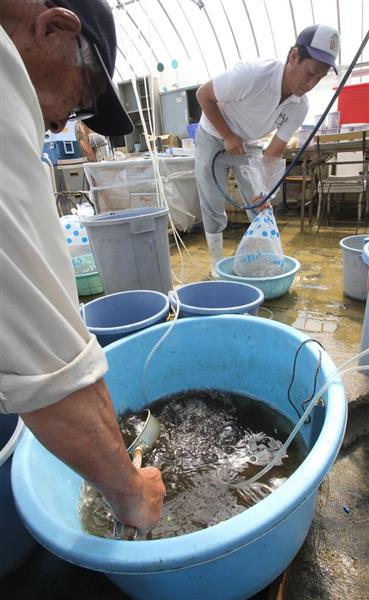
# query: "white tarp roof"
196 39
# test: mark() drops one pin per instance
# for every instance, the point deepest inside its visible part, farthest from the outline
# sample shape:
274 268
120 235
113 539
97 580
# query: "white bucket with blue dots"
81 252
75 235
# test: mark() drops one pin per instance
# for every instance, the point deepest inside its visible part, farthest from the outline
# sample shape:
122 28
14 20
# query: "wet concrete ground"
333 562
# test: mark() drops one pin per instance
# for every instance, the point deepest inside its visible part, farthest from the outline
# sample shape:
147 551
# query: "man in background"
57 60
245 104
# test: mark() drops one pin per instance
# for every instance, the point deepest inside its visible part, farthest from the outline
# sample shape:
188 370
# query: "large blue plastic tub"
236 558
272 287
114 316
216 298
15 541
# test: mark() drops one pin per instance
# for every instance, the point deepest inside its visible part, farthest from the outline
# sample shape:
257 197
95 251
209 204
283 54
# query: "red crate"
353 103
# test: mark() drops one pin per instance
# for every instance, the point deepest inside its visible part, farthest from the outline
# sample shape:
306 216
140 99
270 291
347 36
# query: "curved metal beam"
127 61
155 28
133 43
230 27
216 37
338 26
175 28
293 18
195 37
271 29
141 34
251 27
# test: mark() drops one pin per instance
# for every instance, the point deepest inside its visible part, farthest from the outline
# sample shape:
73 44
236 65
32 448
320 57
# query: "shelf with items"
148 96
179 108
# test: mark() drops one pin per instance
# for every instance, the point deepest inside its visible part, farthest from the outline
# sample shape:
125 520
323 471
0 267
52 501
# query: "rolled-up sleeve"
46 351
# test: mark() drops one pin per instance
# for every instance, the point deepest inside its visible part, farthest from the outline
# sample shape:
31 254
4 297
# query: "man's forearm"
82 430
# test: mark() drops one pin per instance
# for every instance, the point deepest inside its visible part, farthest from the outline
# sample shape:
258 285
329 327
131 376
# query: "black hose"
302 149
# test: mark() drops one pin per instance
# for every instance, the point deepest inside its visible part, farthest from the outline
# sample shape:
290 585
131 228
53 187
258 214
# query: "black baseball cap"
98 27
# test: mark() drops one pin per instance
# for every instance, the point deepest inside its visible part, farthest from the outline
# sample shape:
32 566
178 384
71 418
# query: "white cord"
83 311
282 451
157 345
267 310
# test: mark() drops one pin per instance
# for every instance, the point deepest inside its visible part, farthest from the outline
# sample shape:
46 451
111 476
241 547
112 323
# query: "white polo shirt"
46 352
249 97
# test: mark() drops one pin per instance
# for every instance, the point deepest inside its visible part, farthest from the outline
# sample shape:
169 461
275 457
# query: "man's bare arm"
82 431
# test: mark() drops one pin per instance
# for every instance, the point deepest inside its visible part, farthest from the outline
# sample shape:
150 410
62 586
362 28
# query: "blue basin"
216 298
114 316
236 558
272 287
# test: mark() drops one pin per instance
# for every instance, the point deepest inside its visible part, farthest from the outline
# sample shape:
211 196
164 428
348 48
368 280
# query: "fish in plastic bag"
260 252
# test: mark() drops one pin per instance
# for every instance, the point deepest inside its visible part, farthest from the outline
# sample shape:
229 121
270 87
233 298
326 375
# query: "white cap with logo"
322 43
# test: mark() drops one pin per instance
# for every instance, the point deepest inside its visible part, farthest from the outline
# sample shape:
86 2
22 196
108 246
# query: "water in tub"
210 441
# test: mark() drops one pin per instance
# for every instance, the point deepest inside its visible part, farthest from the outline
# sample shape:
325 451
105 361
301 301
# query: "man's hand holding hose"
234 144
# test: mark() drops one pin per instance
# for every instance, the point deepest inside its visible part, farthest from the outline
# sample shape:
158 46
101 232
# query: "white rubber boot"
215 244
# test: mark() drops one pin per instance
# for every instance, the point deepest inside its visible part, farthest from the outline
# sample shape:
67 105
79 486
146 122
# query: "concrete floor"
329 566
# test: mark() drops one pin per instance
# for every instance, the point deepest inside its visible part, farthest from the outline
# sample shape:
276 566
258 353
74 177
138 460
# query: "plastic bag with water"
260 252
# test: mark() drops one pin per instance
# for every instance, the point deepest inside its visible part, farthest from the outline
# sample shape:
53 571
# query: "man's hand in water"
82 430
143 503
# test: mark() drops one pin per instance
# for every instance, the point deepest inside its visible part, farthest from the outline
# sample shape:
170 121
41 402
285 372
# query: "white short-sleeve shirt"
46 351
249 97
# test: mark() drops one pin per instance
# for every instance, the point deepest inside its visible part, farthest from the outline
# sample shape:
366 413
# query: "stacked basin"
114 316
272 287
216 298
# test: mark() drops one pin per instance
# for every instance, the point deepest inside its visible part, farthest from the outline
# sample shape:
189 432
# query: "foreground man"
56 62
245 104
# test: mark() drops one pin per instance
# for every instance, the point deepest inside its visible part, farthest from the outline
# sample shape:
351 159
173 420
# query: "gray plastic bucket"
355 272
365 334
131 248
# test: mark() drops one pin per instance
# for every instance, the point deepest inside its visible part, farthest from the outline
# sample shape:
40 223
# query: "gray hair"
86 56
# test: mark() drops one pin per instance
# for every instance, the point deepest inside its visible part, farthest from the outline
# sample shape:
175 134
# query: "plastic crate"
89 284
